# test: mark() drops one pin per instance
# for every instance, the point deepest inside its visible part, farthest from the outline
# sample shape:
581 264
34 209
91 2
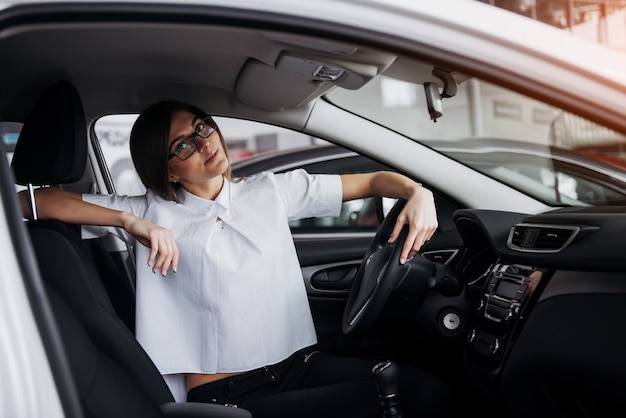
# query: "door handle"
335 278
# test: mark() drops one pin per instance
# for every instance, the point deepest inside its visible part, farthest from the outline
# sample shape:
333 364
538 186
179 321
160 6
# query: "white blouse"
237 301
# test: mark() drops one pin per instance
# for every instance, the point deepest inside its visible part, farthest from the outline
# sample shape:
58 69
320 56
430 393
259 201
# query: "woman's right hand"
163 248
69 207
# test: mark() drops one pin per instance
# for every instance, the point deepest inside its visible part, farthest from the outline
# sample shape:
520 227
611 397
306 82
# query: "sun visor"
264 86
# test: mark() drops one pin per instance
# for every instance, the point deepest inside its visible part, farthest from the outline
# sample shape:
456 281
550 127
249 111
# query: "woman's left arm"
419 212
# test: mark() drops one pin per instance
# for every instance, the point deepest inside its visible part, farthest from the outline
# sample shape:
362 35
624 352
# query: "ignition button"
451 321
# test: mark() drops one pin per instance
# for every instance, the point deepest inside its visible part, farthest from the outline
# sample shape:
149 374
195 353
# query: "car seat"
114 376
41 159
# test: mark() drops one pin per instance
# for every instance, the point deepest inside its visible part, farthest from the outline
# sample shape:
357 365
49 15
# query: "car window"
550 154
10 131
246 140
359 215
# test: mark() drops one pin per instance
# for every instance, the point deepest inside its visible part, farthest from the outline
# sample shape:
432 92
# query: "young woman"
231 323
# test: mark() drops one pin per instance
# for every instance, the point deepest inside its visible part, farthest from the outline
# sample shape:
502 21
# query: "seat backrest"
52 149
104 388
66 268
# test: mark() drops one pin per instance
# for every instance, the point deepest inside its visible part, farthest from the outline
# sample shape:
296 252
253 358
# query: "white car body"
492 43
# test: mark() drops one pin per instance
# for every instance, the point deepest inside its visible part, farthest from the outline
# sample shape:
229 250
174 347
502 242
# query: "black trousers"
318 385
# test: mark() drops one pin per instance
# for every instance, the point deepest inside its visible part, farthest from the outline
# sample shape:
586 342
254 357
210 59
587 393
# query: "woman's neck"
207 190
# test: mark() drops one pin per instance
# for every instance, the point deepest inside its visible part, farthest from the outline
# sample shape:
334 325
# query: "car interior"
518 303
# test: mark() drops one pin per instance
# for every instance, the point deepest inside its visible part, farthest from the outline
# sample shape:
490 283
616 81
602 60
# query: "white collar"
218 207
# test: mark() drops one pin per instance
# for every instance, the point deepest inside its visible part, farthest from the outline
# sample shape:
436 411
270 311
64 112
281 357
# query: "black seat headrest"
52 146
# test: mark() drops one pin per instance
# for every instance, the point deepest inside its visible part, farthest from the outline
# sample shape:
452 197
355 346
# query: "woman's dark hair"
149 139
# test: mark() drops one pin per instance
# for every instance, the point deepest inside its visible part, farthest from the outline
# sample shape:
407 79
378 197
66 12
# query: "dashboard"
547 332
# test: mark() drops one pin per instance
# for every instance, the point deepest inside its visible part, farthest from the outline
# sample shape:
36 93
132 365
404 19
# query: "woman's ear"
172 179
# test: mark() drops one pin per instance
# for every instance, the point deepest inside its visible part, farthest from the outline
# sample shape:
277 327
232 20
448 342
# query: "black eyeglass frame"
212 128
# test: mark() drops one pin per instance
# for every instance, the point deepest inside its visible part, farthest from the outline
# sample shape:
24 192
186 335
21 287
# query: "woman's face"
207 162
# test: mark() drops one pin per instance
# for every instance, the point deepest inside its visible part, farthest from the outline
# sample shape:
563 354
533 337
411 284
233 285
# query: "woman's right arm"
69 207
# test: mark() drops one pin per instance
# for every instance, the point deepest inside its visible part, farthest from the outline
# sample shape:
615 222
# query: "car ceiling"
122 67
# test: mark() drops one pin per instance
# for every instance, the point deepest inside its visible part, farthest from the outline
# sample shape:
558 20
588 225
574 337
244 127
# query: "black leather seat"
113 374
52 150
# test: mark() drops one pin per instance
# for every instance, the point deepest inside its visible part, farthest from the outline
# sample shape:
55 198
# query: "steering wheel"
381 273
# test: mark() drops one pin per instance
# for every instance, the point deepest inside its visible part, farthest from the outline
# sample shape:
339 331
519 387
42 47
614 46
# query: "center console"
506 296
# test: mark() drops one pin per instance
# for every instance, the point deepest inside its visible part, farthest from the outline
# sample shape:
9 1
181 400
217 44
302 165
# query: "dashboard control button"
451 321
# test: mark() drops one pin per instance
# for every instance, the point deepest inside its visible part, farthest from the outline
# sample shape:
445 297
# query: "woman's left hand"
420 215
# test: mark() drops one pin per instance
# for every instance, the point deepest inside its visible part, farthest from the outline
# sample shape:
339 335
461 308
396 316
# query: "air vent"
541 238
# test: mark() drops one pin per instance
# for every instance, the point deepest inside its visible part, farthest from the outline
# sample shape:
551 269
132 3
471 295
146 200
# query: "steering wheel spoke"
378 276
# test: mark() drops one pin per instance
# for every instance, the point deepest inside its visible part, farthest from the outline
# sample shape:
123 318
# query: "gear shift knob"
386 374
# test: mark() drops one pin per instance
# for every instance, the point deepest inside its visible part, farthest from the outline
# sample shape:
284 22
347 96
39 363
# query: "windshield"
543 151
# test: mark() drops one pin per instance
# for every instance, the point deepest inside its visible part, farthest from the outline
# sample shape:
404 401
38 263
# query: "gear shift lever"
386 375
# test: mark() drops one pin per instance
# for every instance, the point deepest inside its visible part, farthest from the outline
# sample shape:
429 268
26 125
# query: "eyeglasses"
189 145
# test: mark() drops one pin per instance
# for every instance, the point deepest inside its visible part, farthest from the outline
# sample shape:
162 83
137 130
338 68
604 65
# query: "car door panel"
329 267
324 249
